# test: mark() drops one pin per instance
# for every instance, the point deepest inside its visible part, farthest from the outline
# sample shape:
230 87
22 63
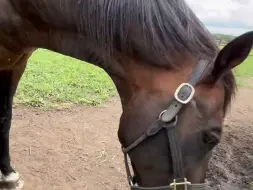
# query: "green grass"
244 72
52 79
245 69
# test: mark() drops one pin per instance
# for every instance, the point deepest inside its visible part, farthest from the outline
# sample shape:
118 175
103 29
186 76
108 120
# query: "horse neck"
51 25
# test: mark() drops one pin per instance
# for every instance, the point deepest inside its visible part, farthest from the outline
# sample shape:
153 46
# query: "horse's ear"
233 54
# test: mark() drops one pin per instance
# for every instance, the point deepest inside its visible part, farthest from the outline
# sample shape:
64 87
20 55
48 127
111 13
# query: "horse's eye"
209 138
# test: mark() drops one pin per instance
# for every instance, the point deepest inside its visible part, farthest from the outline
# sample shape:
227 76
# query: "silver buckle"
189 98
185 183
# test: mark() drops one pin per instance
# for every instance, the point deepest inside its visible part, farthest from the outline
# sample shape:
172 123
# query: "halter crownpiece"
168 120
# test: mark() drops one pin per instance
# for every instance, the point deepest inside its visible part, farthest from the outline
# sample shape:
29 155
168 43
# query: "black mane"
156 31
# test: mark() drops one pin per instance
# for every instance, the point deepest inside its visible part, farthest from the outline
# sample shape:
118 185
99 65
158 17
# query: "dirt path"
232 163
78 149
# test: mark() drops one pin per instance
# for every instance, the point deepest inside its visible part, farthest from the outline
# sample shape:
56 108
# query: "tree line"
223 39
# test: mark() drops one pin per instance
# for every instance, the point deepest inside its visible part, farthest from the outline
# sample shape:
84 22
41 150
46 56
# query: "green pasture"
246 68
52 79
244 72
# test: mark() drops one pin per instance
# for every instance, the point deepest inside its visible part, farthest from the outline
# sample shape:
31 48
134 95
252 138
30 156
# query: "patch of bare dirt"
78 149
68 149
232 162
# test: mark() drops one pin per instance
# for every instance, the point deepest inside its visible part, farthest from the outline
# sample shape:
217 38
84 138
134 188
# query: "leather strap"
201 186
184 92
175 150
152 130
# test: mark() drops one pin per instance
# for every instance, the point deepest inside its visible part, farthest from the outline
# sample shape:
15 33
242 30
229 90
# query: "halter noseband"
168 120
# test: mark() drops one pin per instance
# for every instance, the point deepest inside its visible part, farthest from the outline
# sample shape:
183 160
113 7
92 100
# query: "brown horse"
148 48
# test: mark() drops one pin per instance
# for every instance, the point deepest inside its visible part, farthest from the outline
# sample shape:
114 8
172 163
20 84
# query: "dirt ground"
78 149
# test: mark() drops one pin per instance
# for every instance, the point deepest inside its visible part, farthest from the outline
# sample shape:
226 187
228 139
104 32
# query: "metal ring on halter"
174 120
161 114
185 183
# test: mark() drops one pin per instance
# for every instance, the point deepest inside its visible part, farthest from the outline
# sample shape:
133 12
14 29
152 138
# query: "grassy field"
246 68
52 80
244 72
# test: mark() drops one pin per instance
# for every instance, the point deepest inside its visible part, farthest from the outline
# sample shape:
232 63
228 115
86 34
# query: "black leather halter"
168 120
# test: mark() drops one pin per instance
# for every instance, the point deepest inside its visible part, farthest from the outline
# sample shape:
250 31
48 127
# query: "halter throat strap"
168 120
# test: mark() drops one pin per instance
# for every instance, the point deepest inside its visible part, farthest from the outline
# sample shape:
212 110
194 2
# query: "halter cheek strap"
168 120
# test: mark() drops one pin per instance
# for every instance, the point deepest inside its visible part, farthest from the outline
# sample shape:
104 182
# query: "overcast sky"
224 16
